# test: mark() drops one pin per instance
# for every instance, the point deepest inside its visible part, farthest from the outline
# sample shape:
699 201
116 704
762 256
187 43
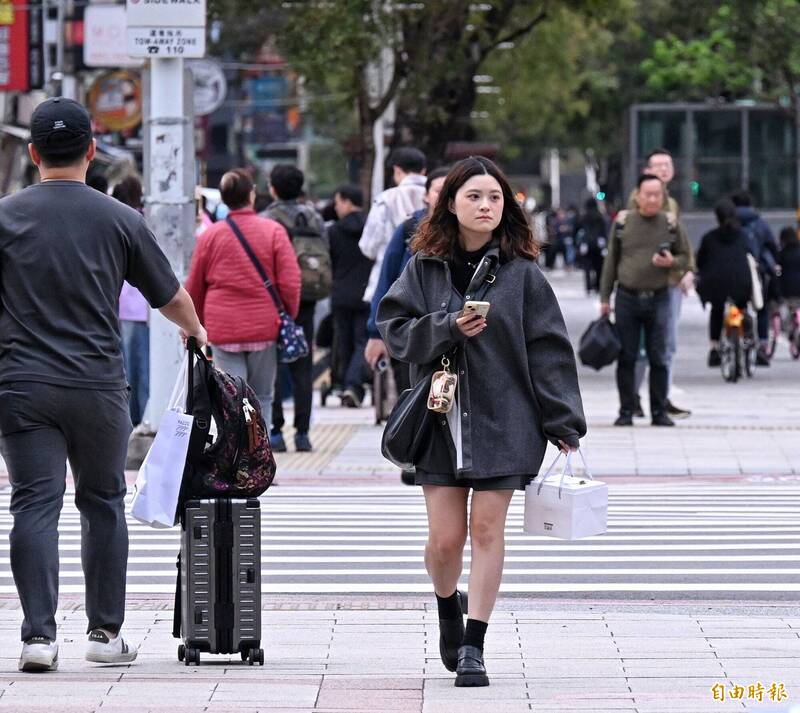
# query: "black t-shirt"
464 264
65 250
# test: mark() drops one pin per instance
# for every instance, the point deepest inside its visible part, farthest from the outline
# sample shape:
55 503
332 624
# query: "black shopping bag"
600 345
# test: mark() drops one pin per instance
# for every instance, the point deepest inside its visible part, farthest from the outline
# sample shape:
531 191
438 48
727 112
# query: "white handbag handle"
567 467
177 402
567 470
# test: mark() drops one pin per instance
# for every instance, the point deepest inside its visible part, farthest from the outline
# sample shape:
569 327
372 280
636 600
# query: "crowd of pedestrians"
401 276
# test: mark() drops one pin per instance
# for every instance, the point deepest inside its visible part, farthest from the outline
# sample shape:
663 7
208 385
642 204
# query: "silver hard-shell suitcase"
218 598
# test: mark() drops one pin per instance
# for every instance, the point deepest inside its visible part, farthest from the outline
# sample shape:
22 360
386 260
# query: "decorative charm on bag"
442 395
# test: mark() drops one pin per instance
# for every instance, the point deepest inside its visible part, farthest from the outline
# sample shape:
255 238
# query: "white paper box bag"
158 484
564 506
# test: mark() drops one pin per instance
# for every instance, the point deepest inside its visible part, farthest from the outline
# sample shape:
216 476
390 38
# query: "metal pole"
169 209
59 68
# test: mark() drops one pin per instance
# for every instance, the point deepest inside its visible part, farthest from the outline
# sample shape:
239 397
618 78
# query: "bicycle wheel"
749 357
728 359
794 344
775 329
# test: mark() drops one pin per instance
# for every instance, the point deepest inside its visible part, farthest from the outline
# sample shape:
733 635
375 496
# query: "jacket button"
444 422
466 297
465 414
444 304
462 372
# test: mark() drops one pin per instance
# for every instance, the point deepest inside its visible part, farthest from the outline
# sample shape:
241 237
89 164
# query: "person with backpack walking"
349 311
396 257
764 249
517 387
238 312
644 252
393 206
65 250
306 231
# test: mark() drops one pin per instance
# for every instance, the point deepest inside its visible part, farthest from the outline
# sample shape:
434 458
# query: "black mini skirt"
500 482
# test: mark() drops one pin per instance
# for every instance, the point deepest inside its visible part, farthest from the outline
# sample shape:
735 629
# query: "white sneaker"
103 649
39 654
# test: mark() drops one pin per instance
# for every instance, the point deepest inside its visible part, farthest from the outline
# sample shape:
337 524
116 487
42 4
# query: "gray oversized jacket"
518 383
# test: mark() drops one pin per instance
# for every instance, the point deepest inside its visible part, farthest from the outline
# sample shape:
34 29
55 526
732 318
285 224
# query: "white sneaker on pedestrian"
105 649
39 654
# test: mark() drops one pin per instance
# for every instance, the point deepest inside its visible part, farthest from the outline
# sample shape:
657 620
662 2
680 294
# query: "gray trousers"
42 427
256 368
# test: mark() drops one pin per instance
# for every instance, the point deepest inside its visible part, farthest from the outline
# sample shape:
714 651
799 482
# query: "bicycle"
793 331
790 327
737 347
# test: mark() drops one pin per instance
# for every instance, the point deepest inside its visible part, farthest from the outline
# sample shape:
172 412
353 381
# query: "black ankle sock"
475 633
449 607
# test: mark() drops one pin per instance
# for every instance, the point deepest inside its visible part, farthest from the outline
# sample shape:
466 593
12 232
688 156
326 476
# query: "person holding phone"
643 251
517 387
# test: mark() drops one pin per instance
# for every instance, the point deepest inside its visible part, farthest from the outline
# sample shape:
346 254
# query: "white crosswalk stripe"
676 538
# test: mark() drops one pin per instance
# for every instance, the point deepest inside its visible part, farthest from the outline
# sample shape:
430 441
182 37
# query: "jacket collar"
413 179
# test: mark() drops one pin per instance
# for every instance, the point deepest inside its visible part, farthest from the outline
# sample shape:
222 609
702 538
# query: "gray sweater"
518 384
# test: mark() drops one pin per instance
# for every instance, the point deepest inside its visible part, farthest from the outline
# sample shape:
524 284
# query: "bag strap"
257 264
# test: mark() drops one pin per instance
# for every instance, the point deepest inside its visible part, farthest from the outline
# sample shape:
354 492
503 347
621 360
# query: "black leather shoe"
451 634
471 671
662 419
625 419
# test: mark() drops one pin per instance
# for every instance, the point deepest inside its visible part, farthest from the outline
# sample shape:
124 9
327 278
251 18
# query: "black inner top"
463 265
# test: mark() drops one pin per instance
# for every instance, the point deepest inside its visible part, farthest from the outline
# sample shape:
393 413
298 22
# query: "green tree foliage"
750 50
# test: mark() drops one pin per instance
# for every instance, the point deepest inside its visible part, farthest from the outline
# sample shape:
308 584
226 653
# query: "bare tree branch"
519 32
398 74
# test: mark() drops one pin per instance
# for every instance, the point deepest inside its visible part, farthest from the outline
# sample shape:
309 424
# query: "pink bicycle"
791 329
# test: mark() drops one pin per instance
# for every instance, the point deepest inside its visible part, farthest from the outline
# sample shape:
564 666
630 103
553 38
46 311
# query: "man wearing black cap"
65 250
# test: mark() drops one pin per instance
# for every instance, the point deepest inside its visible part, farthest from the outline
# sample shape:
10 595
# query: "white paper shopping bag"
565 506
158 484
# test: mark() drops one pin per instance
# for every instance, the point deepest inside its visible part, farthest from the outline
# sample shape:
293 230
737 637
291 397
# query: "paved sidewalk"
383 656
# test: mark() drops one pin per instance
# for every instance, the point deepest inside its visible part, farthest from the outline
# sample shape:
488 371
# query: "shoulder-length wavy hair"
438 232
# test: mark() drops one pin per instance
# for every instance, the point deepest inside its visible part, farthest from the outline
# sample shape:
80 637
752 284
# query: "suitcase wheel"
192 656
255 655
181 652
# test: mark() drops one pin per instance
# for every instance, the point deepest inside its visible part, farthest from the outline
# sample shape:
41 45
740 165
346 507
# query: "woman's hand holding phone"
471 324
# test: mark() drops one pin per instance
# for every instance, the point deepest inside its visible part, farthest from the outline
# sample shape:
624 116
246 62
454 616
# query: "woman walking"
724 273
517 387
241 318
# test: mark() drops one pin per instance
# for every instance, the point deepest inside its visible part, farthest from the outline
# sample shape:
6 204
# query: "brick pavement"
351 656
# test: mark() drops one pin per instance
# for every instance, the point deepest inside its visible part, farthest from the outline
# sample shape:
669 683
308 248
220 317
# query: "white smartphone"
475 307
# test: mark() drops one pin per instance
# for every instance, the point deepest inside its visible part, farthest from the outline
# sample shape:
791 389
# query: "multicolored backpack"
237 462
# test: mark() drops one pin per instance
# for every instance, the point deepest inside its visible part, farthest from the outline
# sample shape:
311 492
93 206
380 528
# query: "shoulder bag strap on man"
257 264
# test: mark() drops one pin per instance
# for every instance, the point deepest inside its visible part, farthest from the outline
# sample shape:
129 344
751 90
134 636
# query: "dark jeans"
302 376
651 313
43 426
350 336
717 318
593 268
136 353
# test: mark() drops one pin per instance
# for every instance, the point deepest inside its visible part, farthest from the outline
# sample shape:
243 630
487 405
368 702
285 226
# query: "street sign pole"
166 33
169 209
